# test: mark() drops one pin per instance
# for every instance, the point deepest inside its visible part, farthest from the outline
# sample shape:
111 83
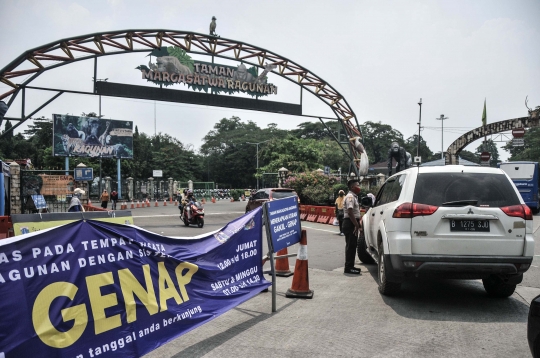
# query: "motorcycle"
197 214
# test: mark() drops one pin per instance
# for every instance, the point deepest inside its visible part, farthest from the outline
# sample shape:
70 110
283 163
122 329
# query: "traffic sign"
518 142
485 156
518 132
84 174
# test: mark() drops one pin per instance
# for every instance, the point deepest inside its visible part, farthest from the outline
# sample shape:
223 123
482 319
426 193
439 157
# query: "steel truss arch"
59 53
451 155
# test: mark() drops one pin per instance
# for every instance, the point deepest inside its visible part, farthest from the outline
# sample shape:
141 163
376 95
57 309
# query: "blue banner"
96 289
283 222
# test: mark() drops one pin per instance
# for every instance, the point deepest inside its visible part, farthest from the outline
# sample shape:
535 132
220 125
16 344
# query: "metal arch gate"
451 155
38 60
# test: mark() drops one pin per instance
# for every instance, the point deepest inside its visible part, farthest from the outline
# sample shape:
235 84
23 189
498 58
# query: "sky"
382 56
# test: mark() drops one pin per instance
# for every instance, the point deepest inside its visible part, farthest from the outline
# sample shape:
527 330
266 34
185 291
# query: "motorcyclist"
187 201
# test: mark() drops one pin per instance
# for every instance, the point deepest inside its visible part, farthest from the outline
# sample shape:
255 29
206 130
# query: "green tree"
377 140
411 145
531 149
231 159
470 156
316 130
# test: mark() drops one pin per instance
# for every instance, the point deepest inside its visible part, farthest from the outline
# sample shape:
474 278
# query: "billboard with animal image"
80 136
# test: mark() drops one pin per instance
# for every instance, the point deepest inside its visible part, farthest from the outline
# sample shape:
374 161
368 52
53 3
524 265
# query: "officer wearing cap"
351 225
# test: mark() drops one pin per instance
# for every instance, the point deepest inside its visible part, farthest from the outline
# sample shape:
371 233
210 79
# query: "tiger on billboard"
92 137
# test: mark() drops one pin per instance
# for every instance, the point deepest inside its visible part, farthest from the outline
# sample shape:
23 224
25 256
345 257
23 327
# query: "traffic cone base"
282 265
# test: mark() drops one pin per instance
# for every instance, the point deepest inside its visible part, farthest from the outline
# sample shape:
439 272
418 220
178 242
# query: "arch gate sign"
533 120
170 64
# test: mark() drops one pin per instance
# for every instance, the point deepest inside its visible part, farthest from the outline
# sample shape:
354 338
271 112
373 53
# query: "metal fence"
54 186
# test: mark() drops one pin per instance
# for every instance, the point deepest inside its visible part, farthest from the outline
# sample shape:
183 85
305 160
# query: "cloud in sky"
381 56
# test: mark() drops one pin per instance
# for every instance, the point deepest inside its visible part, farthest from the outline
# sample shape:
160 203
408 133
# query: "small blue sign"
84 174
327 170
39 201
283 222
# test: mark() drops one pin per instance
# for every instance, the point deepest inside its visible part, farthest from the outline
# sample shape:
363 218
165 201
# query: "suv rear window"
282 194
493 190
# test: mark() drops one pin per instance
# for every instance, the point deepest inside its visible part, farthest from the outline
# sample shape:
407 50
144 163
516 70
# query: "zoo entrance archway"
21 72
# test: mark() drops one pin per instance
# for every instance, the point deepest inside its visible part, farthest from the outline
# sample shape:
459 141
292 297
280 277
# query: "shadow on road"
203 347
452 300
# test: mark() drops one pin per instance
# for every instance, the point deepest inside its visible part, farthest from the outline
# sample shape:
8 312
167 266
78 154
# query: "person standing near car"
351 225
104 199
339 210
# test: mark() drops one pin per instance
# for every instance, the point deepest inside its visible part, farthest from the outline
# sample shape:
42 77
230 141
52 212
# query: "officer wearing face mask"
351 225
399 155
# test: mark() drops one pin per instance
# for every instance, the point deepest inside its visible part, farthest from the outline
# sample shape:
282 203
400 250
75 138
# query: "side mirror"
366 201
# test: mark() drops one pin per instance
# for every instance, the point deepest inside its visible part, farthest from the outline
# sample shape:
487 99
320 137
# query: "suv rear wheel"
361 247
386 287
496 287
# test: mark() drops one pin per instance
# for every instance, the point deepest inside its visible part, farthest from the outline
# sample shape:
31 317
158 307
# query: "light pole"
419 127
99 116
442 118
257 144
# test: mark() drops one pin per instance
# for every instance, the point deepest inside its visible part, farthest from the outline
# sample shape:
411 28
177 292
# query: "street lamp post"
442 118
419 128
99 116
257 144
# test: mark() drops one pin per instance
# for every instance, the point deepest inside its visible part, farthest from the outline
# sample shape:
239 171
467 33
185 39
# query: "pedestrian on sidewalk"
339 210
114 199
351 225
104 199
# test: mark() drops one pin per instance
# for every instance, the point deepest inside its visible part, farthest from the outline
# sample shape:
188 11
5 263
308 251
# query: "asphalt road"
326 247
347 316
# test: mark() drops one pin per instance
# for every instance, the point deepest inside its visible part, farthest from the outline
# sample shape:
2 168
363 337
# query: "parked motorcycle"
197 214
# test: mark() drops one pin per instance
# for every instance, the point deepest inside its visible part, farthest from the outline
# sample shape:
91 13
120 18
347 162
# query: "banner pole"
271 250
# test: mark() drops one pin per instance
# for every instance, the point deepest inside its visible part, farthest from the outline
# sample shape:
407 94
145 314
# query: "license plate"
469 225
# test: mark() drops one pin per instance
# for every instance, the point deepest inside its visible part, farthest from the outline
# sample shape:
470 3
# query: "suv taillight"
410 210
518 211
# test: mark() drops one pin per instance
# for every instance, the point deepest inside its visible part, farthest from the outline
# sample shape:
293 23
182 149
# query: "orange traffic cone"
164 202
203 201
175 202
132 205
138 204
282 265
300 283
147 203
213 200
156 204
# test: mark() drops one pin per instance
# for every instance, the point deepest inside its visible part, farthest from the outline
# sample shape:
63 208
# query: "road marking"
307 227
206 214
534 266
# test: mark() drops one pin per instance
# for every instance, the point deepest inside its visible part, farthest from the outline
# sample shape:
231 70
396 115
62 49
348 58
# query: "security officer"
351 225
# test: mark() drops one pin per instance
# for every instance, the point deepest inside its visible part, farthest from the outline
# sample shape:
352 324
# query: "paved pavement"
347 317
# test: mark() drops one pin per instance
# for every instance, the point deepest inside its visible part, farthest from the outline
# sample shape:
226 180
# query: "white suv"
450 222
